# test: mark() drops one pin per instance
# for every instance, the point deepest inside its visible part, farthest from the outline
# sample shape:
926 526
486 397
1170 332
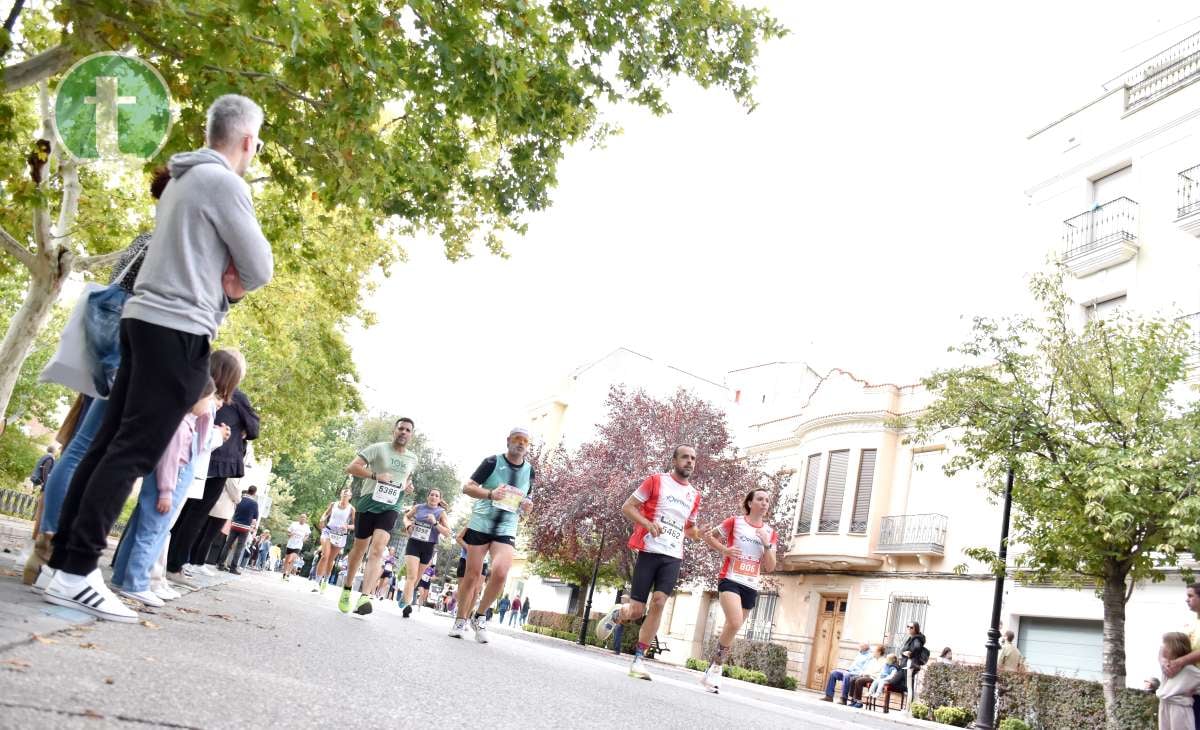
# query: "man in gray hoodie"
205 230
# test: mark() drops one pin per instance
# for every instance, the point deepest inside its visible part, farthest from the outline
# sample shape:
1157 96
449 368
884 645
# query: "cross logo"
109 106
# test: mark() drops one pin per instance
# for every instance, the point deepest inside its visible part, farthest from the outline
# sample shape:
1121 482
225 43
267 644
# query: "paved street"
257 651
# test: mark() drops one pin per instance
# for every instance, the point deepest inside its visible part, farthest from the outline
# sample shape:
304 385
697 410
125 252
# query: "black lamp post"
987 700
587 609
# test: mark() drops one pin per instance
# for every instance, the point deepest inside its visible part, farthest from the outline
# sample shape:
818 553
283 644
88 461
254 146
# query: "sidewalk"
24 616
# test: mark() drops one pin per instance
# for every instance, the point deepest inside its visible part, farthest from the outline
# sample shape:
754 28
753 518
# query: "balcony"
1161 74
1101 238
912 535
830 552
1188 200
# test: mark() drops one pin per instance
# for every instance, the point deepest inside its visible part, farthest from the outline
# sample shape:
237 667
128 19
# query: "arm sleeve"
484 470
646 490
166 472
238 228
368 455
249 416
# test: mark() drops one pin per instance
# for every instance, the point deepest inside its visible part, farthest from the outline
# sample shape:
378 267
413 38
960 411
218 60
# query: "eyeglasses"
258 144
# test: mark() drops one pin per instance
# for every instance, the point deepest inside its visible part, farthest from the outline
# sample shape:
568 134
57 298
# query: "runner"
385 577
297 533
423 587
383 471
748 546
425 523
335 524
462 570
664 511
501 486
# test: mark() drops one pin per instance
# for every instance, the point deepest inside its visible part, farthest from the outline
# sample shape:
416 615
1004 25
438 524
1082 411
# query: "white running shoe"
188 569
637 670
88 593
480 626
45 575
207 571
712 678
608 624
457 629
146 597
164 591
182 579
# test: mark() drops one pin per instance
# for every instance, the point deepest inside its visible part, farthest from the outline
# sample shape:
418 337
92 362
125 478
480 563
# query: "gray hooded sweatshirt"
205 218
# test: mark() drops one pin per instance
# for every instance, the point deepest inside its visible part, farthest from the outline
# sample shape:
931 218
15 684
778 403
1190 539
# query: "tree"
417 116
1104 455
579 495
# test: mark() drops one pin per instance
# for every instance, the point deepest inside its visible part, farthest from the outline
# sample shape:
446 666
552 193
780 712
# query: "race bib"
672 533
386 493
421 531
511 501
746 567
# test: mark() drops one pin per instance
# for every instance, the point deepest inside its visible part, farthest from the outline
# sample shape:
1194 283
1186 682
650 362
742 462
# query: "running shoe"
88 593
637 670
400 603
364 606
146 597
479 624
407 611
712 678
164 591
608 624
321 587
315 589
344 601
188 569
45 575
207 571
181 579
457 628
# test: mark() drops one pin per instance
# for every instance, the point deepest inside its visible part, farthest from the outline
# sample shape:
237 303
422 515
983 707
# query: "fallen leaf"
43 640
221 616
18 664
149 624
87 645
93 715
185 609
150 659
108 680
8 573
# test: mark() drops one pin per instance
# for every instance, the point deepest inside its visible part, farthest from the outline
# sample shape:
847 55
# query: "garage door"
1070 647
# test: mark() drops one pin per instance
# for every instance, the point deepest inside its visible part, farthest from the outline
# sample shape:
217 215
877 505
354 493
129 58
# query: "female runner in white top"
335 524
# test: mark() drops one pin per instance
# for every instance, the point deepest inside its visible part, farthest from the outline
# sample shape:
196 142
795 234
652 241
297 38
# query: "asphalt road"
258 652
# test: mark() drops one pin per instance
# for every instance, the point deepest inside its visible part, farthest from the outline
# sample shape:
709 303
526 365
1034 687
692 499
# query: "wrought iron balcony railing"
1188 191
1113 222
1162 73
913 534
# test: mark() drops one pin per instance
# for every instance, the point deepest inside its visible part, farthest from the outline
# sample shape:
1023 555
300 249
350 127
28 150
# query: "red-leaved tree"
579 494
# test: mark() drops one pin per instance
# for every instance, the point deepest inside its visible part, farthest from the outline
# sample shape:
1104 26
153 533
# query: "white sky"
858 218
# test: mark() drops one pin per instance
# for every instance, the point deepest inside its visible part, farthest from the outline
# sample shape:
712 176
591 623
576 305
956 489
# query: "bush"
955 716
1012 723
762 656
1058 703
698 664
735 672
18 455
566 627
921 711
790 683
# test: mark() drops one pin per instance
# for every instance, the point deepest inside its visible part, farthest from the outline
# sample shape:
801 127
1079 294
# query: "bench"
886 700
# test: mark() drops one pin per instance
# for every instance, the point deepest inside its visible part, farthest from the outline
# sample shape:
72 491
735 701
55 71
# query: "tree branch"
14 247
39 68
11 22
99 261
314 103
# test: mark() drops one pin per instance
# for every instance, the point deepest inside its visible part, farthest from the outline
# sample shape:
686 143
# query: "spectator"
872 671
273 560
516 610
215 534
245 519
1010 656
503 607
205 223
946 657
525 613
847 676
264 549
1175 694
39 477
915 655
890 665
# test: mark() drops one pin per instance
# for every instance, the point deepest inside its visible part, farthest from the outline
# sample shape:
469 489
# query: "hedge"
566 626
746 675
1042 701
761 656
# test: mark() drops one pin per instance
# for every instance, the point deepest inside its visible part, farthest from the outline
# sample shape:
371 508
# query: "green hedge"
566 626
747 675
760 656
1043 701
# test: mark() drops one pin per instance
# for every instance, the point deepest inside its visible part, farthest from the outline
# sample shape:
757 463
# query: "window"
762 618
835 490
862 495
1105 308
810 494
1112 186
902 611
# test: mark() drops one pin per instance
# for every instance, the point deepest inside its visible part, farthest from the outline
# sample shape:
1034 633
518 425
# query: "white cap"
519 431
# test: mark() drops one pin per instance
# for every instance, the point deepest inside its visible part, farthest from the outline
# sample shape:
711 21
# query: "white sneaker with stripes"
89 594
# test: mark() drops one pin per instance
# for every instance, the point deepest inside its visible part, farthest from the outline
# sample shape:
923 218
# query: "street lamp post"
587 609
987 699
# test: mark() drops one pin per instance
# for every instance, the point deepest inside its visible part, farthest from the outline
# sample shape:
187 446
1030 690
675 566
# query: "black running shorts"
292 551
366 523
748 595
471 537
654 571
421 550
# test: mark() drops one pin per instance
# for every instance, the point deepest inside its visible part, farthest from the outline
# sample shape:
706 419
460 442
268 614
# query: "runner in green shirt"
382 472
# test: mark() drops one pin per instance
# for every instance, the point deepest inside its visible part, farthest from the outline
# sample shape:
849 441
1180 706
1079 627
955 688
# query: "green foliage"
763 656
1056 702
955 716
1010 723
18 455
921 711
564 626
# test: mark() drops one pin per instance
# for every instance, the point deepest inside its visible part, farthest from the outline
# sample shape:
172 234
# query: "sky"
858 218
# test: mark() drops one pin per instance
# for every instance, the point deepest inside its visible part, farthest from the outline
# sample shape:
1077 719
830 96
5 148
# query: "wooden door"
826 640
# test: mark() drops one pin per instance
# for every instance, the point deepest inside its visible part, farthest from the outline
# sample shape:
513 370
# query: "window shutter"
835 490
862 497
810 494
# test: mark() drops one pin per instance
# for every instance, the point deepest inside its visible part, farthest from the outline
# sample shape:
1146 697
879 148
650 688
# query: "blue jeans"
846 679
147 532
55 490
